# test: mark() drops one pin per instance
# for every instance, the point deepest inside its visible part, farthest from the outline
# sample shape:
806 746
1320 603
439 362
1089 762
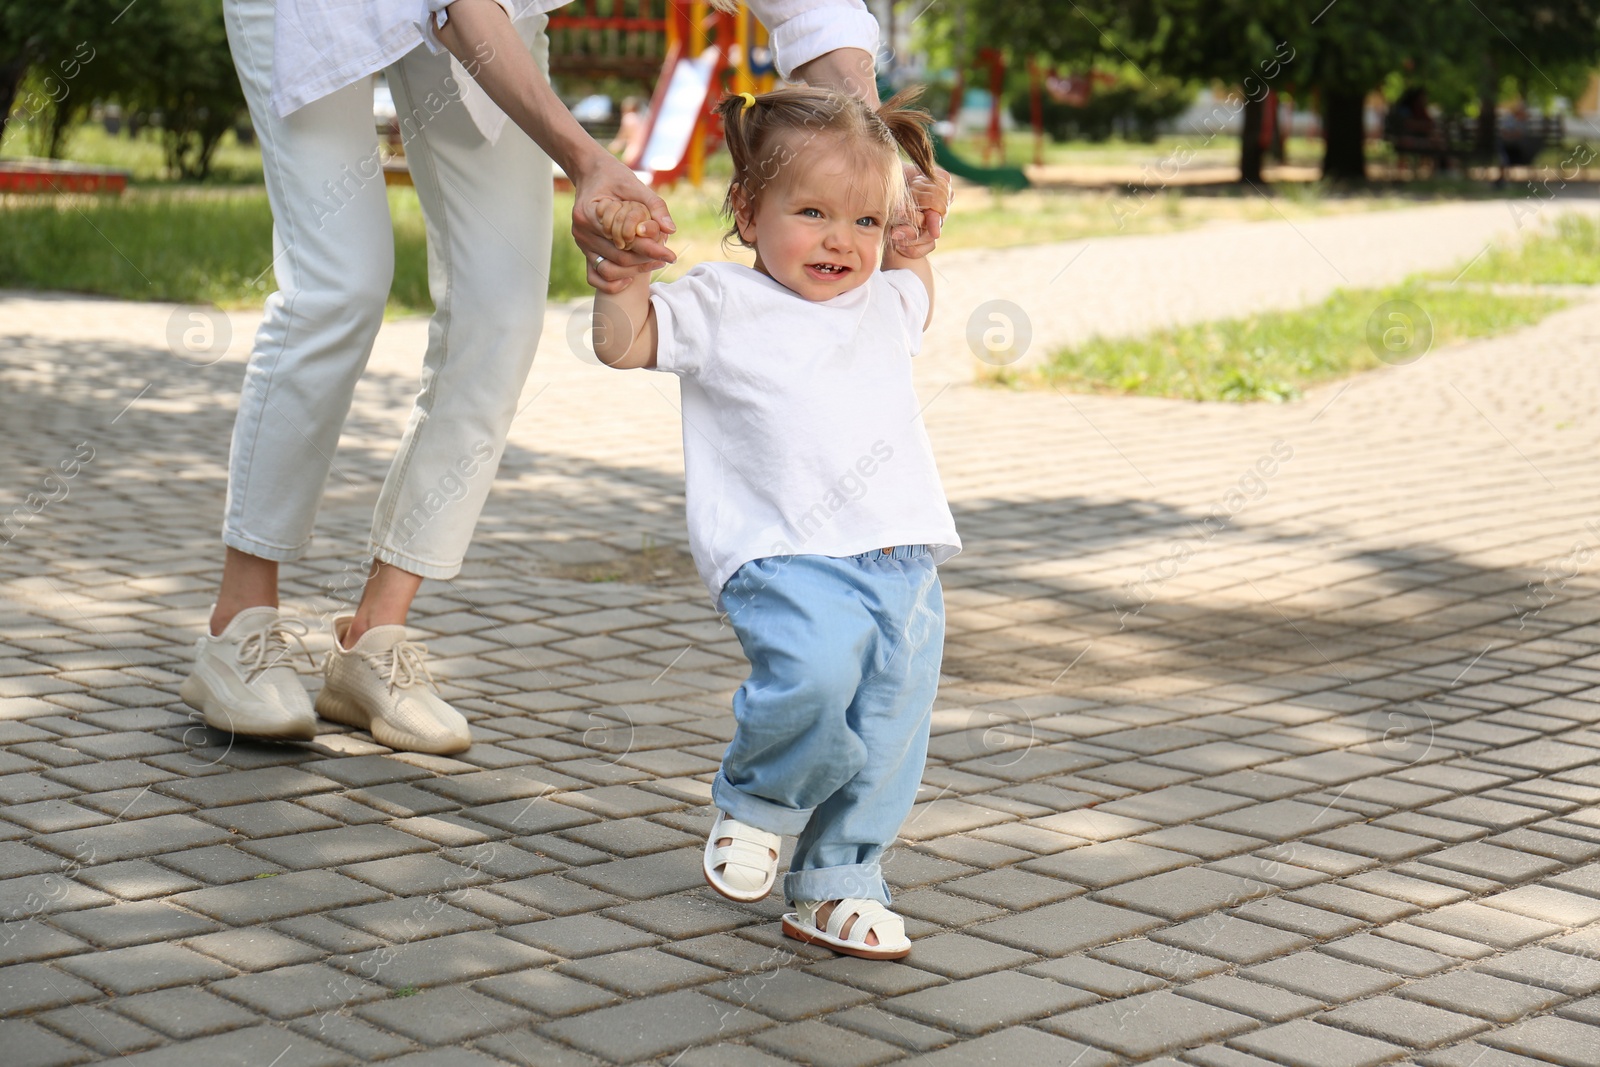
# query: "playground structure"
698 52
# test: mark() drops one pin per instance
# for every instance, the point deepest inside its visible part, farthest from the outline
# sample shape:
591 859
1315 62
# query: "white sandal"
870 917
748 865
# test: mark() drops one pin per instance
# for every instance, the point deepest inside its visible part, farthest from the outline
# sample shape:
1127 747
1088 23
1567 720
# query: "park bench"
1454 141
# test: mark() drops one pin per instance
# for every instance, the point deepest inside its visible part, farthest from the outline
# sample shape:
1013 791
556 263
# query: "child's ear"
744 218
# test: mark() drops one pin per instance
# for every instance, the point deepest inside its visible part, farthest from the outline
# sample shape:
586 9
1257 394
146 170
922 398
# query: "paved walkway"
1311 784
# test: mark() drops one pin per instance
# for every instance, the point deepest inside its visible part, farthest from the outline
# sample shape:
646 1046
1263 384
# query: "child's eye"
866 220
811 213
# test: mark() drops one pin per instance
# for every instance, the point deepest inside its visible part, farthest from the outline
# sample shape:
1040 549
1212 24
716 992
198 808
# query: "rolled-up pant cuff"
261 549
420 568
758 812
862 881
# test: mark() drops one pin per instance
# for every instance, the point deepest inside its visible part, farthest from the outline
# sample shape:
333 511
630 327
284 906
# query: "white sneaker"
242 681
383 685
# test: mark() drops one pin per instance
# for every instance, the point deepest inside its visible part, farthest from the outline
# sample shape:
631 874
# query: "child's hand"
914 238
625 221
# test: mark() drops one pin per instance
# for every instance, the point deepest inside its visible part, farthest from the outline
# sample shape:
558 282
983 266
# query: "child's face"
819 233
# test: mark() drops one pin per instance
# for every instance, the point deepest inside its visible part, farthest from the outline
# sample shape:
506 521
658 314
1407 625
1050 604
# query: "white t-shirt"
801 431
321 46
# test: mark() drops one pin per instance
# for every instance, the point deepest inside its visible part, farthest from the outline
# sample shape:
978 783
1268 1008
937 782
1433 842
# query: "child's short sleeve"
687 312
913 296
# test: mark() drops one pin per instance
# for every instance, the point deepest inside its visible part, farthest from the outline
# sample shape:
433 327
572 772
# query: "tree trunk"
1344 155
1250 142
1278 150
1486 140
11 73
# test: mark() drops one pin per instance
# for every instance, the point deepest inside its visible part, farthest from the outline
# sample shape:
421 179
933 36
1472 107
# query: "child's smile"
819 230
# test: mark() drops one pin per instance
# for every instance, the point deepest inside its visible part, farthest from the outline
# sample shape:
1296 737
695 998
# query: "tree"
167 57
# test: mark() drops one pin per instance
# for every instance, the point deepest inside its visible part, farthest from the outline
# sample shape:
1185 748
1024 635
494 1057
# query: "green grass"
142 156
1275 355
1566 254
189 246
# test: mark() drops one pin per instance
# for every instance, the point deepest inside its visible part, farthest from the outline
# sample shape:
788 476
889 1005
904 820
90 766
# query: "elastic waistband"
896 552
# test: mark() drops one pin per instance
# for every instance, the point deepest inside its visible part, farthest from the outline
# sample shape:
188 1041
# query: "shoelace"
268 646
404 664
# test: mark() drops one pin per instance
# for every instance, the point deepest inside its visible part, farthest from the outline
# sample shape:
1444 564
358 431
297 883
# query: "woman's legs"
333 252
489 214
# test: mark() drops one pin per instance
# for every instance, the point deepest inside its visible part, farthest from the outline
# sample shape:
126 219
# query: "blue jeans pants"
833 721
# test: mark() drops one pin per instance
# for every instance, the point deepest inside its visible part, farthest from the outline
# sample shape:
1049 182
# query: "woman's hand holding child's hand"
625 221
913 239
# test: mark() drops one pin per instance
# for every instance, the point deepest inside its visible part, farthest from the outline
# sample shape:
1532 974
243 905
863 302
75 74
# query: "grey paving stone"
244 787
787 993
34 1046
1258 1001
30 896
445 1016
645 876
288 992
267 818
1105 864
978 1005
1562 1041
241 1048
219 864
185 1013
1490 861
31 987
1375 841
101 1029
1472 1054
654 1026
1144 1025
1573 974
1280 820
416 874
1415 891
1012 889
145 968
1183 894
892 1029
1547 904
350 1035
254 948
1482 995
547 992
1303 1043
641 971
1071 925
336 847
441 960
1200 841
1329 980
1389 955
1585 879
945 909
1344 900
957 955
406 919
1175 804
281 896
135 879
29 940
133 923
132 839
1490 926
537 815
1231 938
1167 962
1096 976
1404 1022
680 916
817 1043
1015 1045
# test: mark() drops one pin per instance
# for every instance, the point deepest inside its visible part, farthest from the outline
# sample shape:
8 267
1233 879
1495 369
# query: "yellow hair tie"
749 101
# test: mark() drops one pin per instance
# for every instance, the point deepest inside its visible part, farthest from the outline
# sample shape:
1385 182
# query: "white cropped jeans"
488 213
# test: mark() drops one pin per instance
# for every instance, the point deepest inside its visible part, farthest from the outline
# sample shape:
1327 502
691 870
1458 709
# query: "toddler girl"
816 516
